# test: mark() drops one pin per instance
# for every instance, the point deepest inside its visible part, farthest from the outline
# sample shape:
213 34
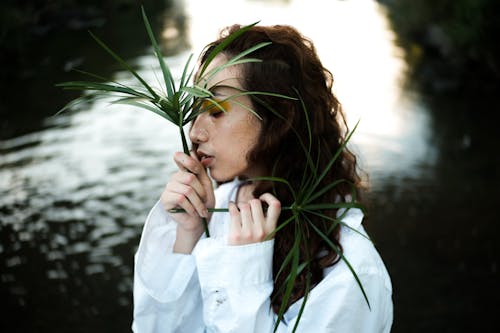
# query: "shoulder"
338 302
359 251
369 277
359 256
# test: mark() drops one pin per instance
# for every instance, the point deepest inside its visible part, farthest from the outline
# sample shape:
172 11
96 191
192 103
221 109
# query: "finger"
192 196
188 163
246 221
257 211
258 219
203 175
235 225
274 210
172 200
191 180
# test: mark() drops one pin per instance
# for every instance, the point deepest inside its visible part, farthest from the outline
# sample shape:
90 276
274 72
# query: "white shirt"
223 288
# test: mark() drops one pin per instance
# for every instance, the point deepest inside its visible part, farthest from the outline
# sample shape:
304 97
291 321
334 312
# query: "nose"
198 132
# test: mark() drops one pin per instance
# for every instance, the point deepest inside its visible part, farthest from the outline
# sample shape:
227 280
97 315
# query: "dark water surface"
75 190
438 232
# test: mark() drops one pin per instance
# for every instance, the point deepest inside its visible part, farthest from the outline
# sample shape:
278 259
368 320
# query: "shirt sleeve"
237 283
167 296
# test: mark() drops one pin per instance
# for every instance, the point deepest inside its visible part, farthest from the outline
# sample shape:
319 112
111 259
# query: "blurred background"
422 76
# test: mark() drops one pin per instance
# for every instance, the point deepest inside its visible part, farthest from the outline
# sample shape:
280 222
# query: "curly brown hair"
290 66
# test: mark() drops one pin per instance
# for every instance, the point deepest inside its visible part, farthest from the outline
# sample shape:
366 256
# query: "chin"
218 177
221 177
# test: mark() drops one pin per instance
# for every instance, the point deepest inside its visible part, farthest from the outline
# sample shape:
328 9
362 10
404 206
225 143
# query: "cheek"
248 144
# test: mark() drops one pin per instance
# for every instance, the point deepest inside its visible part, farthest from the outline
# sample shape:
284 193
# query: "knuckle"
190 178
234 212
180 199
246 236
234 238
165 202
178 156
255 202
191 165
188 191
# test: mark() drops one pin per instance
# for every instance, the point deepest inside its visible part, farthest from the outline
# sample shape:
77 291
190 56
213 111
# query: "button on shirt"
224 288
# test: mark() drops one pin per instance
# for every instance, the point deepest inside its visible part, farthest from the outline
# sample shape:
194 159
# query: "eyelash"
216 114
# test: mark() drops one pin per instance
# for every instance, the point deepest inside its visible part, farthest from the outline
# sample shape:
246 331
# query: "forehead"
229 76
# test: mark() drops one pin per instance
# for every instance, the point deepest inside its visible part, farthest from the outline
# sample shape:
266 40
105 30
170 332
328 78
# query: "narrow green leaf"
236 60
336 205
219 48
278 180
246 107
332 161
324 190
84 85
109 81
341 255
145 106
304 301
197 91
337 221
73 103
293 276
309 146
95 76
283 265
124 64
282 225
283 286
167 75
185 78
257 93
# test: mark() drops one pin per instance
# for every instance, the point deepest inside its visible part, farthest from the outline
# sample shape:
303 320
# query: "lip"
205 158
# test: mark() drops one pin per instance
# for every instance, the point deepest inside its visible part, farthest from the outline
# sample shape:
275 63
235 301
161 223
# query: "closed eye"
215 113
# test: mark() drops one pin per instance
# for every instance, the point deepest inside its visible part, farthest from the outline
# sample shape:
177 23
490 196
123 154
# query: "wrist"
186 240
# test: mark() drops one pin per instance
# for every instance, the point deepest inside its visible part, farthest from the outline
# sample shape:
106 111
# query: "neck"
245 192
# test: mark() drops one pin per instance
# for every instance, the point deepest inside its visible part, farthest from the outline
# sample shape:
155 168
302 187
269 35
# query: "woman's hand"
250 224
191 189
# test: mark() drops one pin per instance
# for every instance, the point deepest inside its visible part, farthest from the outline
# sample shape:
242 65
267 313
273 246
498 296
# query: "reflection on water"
73 201
74 196
75 193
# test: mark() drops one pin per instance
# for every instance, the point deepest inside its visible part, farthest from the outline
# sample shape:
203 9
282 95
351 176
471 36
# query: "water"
75 191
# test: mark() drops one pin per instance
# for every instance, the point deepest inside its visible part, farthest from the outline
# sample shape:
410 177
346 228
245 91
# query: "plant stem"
213 210
186 151
185 146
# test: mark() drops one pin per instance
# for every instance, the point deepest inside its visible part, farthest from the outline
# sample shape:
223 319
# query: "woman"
231 281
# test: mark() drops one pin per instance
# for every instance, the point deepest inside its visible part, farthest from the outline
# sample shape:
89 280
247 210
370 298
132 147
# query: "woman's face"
225 138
